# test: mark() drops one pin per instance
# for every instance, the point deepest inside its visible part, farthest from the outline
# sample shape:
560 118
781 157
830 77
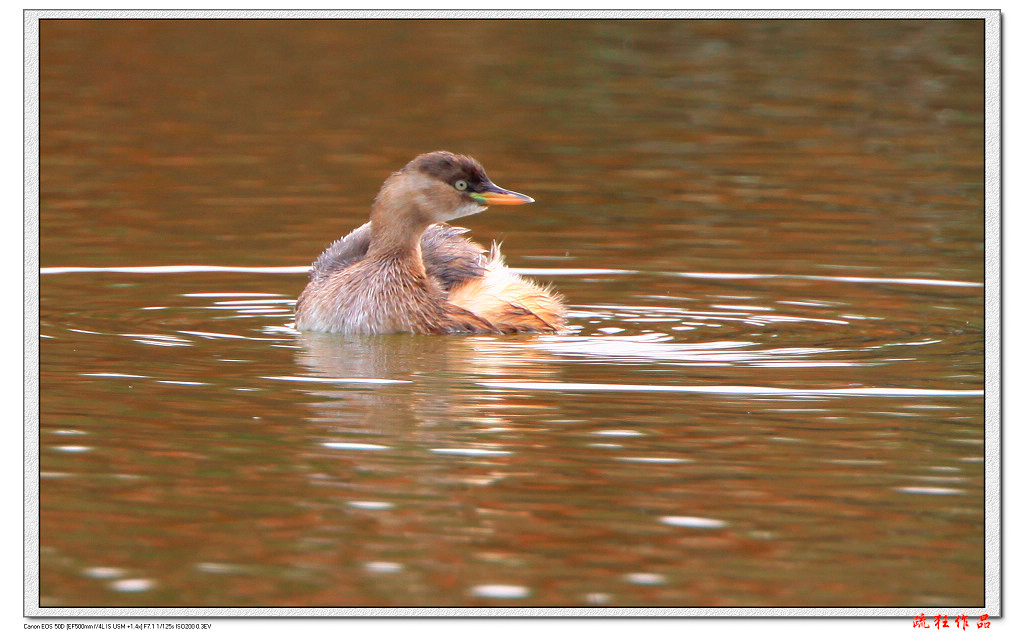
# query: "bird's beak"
493 195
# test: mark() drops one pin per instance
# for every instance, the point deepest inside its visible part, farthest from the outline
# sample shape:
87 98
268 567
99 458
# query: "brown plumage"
408 271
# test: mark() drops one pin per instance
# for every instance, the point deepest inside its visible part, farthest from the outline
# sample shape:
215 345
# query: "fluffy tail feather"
508 301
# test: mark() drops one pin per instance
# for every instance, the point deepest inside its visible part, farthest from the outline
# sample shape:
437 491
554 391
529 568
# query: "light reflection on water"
737 390
474 412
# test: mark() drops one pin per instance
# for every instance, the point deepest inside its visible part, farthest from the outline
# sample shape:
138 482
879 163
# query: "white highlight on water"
736 390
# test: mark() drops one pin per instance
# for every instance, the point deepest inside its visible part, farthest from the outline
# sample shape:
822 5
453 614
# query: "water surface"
770 235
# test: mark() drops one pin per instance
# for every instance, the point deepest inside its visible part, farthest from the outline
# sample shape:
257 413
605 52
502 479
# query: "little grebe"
408 271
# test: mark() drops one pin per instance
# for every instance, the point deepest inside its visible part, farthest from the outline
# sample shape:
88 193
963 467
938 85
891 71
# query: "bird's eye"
461 185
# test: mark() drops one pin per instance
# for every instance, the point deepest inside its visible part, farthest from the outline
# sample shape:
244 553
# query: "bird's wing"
448 258
349 249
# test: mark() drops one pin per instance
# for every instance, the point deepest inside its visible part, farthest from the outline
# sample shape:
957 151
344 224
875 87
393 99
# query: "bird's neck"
397 225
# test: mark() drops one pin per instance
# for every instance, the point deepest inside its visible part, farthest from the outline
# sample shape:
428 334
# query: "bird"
408 271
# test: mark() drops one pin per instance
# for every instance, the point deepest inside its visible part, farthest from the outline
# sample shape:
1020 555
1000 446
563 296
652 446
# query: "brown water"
770 234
